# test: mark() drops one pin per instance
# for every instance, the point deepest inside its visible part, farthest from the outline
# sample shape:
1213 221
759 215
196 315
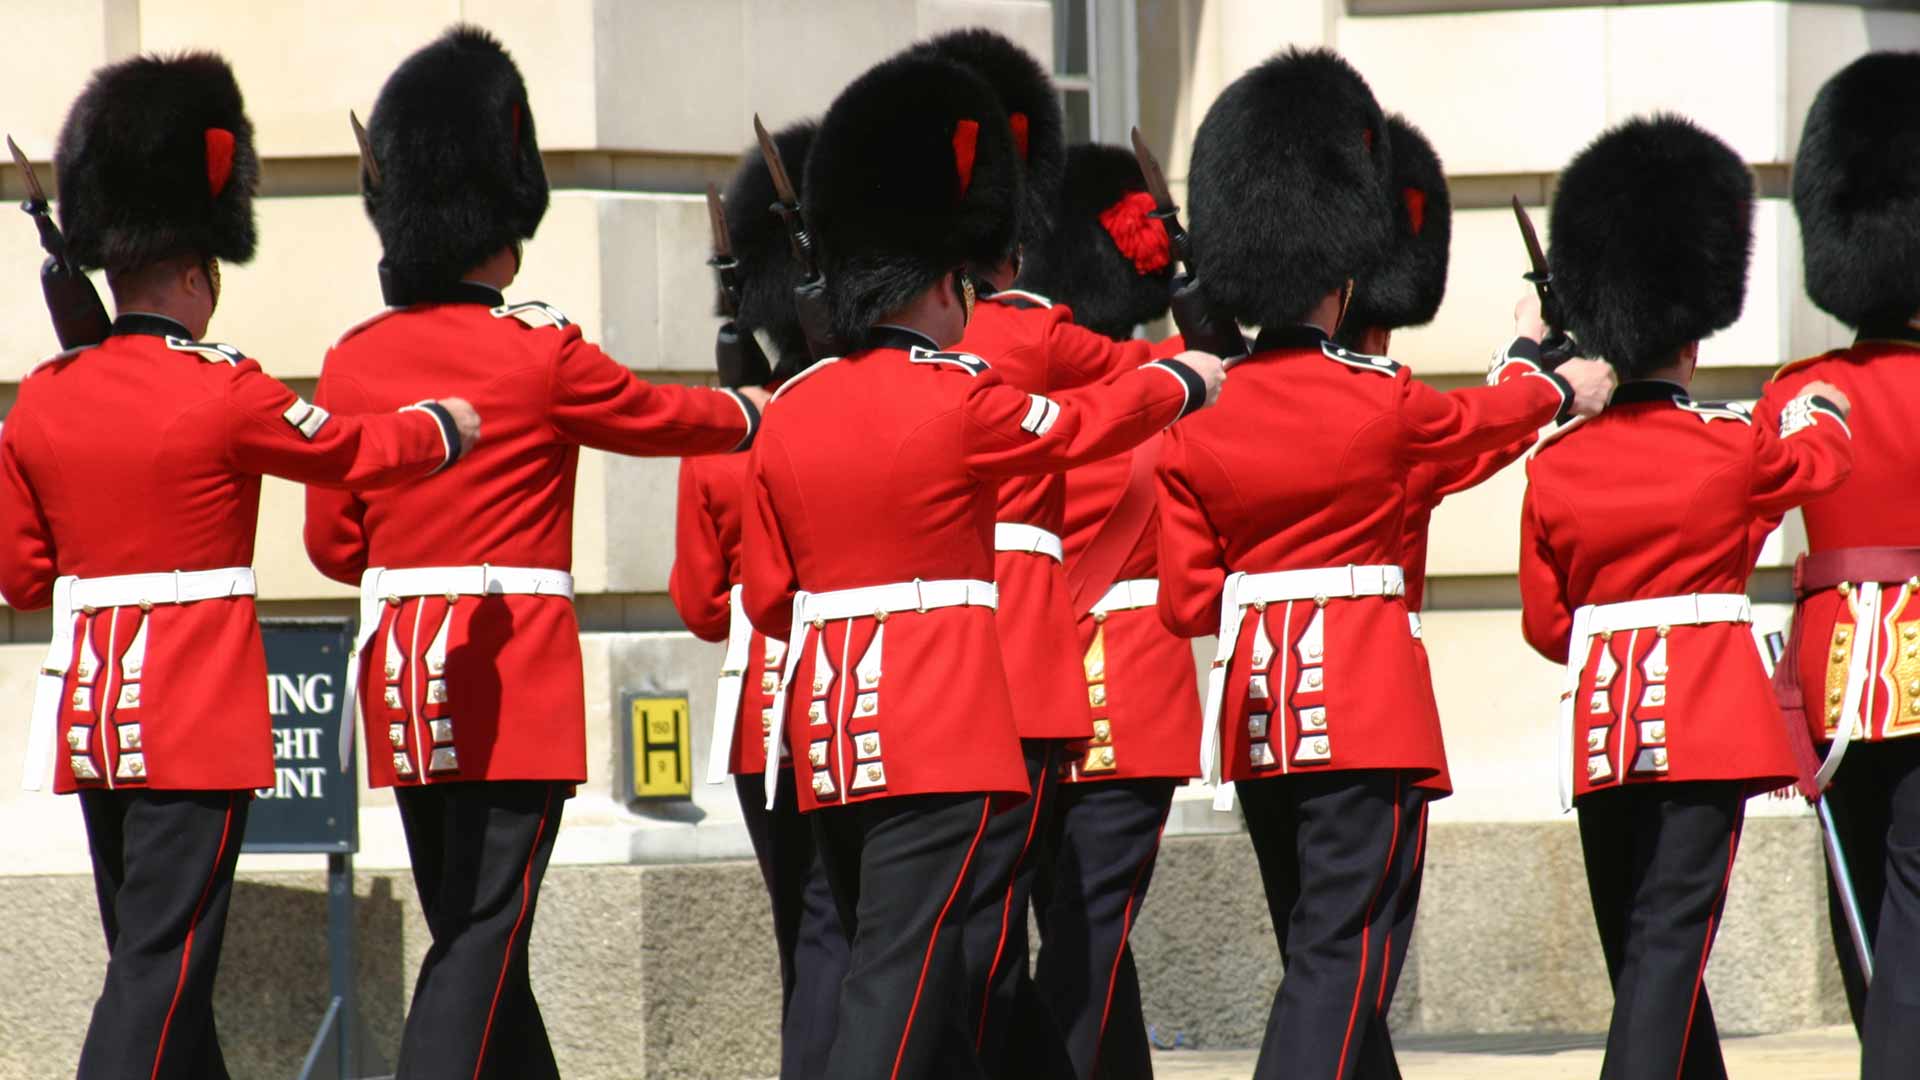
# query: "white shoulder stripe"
798 379
1041 413
306 418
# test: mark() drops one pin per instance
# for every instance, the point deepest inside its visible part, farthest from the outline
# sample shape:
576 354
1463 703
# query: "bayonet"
725 267
1558 346
1199 324
810 296
738 356
367 161
78 316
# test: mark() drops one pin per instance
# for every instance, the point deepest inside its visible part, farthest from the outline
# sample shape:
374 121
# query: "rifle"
79 319
739 357
810 296
1558 347
1200 325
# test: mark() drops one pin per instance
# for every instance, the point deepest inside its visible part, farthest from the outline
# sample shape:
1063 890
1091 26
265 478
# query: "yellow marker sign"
662 748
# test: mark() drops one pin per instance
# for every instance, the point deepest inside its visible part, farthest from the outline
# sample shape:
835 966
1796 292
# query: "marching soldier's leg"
1891 1040
996 917
1377 1059
901 1008
1109 836
177 853
484 849
1858 802
1273 825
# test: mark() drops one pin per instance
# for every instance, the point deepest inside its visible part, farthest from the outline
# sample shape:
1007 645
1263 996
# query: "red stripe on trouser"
506 958
1366 930
1419 852
1006 905
1706 945
186 949
1126 931
919 986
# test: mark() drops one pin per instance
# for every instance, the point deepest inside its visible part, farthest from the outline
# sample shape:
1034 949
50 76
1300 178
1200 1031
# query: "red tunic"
706 567
1034 345
1148 698
1302 466
880 468
512 678
1693 481
1875 507
144 455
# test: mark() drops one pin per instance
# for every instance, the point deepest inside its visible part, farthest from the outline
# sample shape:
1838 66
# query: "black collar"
404 290
144 322
1289 337
1902 332
889 336
1639 390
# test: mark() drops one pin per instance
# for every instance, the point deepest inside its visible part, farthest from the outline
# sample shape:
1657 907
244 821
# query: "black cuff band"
1525 348
753 419
449 431
1561 384
1195 385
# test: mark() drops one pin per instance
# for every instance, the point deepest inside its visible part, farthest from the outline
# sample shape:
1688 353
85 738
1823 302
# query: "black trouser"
1377 1060
806 925
1875 803
1099 853
1332 853
479 851
1659 857
163 871
899 870
999 983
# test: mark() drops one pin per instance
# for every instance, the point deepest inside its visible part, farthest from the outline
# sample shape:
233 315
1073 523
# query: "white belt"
73 594
1592 620
1413 624
1865 605
726 705
873 600
381 584
1244 590
1128 595
1011 536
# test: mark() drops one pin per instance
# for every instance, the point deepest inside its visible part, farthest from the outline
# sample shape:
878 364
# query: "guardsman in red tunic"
765 336
1110 259
1856 188
1037 345
1317 704
469 653
129 492
868 540
1638 532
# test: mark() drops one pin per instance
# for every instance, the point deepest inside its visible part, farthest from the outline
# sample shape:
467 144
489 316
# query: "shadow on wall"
266 1024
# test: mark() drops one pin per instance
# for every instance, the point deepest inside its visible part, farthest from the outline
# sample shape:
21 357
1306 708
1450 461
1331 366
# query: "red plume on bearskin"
1106 258
1033 114
1856 189
460 175
156 160
1652 233
886 198
1289 187
767 269
1406 287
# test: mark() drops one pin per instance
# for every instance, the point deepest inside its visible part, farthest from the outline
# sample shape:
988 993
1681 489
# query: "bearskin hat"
1033 112
1856 189
1288 187
767 269
1406 287
913 174
1652 232
1107 257
156 160
456 173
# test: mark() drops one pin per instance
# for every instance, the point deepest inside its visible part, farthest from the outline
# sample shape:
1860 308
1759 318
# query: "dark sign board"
312 805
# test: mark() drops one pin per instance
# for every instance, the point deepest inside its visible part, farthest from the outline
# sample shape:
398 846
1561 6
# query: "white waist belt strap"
1010 536
74 594
819 609
1592 620
380 584
1243 591
1128 595
726 705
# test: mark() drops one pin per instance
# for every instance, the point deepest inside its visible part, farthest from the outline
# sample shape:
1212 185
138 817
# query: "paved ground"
1820 1054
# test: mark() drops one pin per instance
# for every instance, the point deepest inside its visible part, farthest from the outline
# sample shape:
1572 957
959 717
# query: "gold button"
874 773
1320 746
1660 757
1259 605
393 599
1846 588
1320 601
89 610
1663 630
453 598
1106 757
146 605
1840 636
880 616
819 624
1910 632
1099 616
1606 635
1835 695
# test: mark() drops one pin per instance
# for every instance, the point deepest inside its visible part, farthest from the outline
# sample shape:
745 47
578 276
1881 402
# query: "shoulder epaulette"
59 357
1709 411
213 352
798 379
1555 434
967 362
533 313
1378 364
1792 366
366 322
1021 298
